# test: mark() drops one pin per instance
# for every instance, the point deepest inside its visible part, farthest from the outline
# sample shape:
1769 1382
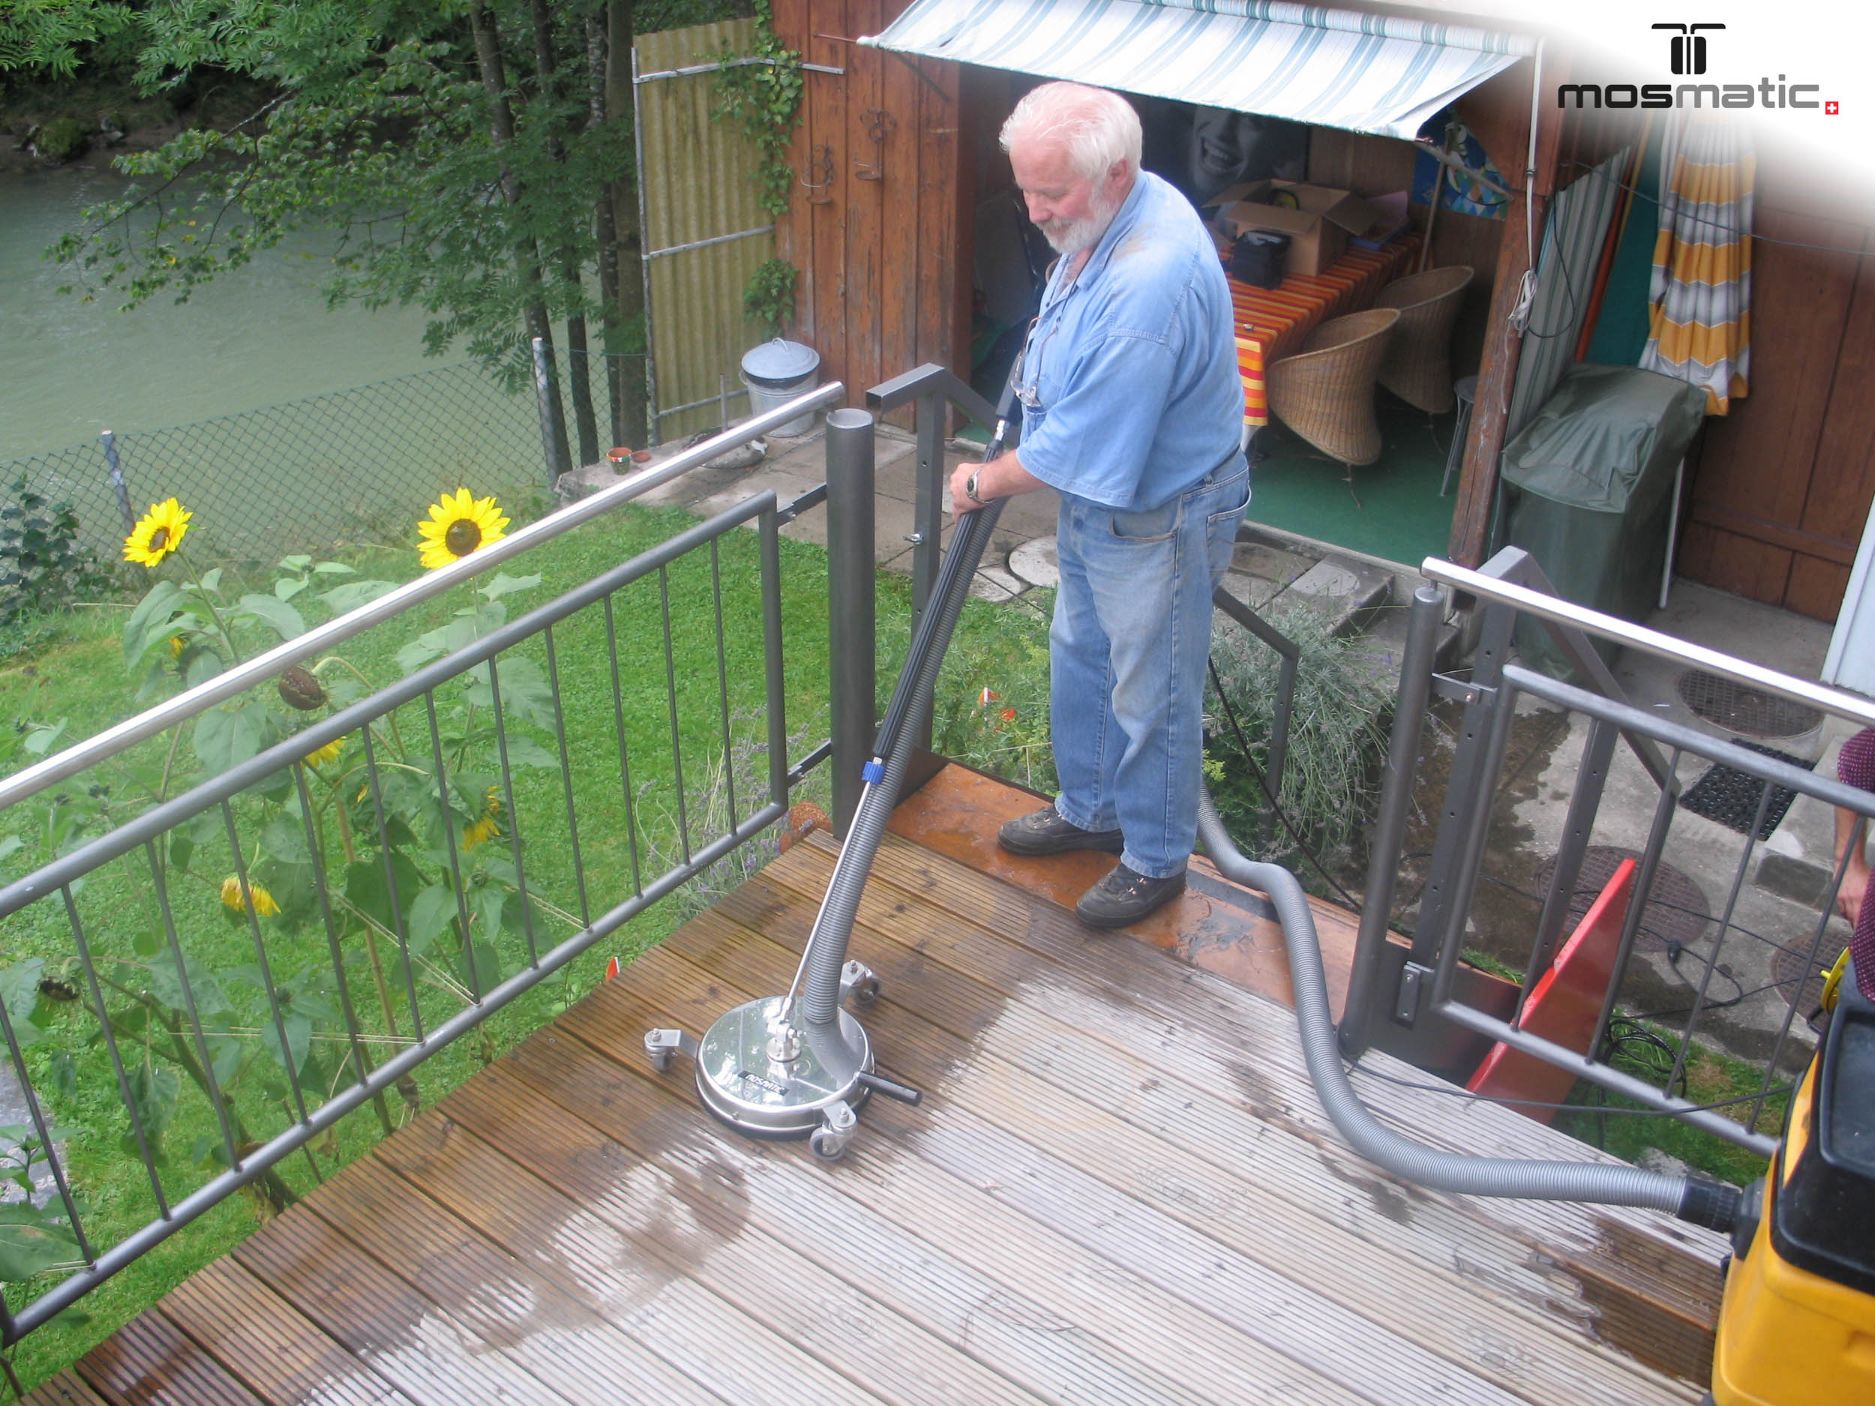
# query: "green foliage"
53 36
769 298
1336 736
43 567
1647 1051
761 94
62 139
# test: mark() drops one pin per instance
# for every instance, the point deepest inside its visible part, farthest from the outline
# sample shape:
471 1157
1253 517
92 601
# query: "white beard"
1068 237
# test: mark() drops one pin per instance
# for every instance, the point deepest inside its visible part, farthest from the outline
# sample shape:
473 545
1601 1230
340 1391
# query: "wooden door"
1784 483
875 228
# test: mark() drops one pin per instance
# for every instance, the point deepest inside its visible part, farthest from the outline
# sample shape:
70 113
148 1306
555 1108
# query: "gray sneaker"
1124 897
1045 832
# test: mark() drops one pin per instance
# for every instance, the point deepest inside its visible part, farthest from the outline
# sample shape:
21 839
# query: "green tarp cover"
1606 433
1589 486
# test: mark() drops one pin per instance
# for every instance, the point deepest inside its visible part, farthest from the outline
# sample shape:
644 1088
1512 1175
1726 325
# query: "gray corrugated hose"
820 994
1692 1199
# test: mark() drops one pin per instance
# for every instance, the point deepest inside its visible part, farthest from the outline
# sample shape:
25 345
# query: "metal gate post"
851 642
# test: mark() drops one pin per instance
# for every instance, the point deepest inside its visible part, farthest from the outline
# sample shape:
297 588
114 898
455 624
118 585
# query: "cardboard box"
1318 228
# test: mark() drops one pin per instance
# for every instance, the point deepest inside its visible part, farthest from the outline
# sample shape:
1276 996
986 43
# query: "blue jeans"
1127 651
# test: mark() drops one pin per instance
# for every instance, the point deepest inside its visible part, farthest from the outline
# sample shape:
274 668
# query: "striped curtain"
1699 316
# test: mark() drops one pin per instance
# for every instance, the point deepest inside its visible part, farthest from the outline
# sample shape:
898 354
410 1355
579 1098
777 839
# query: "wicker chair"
1326 392
1418 367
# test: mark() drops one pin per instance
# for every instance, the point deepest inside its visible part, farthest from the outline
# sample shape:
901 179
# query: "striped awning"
1330 68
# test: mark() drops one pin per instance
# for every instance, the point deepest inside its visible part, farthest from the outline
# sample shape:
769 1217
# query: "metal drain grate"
1797 975
1676 911
1739 707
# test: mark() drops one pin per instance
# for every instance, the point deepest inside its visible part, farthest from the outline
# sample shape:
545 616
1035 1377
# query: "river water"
256 336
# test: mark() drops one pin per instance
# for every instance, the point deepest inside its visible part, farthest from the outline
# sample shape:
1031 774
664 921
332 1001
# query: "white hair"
1095 126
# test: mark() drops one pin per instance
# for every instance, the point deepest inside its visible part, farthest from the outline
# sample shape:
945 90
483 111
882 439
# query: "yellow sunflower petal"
458 524
157 533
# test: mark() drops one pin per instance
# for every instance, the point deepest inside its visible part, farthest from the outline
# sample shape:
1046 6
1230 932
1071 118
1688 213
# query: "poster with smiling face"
1203 150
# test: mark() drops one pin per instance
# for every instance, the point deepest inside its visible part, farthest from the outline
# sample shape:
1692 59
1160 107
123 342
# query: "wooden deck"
1119 1189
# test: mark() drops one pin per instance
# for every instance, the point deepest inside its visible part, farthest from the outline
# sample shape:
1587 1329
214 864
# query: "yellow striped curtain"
1699 315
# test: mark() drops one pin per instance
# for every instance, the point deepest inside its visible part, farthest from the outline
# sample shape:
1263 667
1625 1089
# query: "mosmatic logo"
1687 55
1689 46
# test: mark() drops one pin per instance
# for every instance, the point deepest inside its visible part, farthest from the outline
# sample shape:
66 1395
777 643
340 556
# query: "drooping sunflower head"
486 826
458 524
157 533
264 902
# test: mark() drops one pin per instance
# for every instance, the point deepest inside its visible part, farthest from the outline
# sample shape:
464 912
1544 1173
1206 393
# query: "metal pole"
543 396
118 485
928 519
850 605
1409 714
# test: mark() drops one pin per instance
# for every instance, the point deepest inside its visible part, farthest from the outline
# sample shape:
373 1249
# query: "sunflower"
319 756
264 903
458 525
176 645
157 533
486 826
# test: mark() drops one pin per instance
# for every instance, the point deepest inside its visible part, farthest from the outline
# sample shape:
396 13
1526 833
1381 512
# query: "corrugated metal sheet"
1572 246
698 183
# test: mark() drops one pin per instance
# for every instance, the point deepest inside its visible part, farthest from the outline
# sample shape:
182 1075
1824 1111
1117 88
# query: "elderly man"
1132 410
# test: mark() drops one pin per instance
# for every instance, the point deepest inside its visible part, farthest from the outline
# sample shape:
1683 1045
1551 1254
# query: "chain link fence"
306 475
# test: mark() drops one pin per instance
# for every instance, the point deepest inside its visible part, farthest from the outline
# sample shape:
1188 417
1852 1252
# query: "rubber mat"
1732 797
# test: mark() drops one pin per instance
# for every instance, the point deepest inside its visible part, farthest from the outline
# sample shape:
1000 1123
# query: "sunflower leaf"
342 599
151 621
270 610
32 1246
505 585
227 737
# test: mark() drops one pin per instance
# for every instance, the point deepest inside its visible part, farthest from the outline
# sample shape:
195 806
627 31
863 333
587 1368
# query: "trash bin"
1588 488
777 372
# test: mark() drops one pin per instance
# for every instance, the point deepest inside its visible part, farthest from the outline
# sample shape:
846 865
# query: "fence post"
1389 829
545 396
118 486
850 604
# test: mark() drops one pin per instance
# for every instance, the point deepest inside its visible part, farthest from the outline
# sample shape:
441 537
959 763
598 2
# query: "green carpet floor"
1399 516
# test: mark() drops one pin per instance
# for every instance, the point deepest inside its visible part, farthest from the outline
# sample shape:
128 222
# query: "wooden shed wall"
876 226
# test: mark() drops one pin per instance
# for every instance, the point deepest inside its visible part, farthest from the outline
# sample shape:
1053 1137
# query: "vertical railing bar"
359 1060
722 679
260 957
624 751
1718 936
1790 1010
390 882
188 1001
514 820
110 1043
455 859
37 1114
1471 850
566 779
1389 827
1664 810
1598 751
670 696
772 664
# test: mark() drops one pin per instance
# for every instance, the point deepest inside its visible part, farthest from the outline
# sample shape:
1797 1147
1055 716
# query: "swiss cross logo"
1832 108
1689 46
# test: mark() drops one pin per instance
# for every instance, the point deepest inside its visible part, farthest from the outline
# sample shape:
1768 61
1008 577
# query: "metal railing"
1395 988
288 941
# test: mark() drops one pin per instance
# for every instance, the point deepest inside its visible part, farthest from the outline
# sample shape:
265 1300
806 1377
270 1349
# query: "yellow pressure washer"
1797 1323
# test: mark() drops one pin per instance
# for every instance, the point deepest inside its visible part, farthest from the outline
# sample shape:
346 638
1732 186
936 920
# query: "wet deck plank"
1119 1188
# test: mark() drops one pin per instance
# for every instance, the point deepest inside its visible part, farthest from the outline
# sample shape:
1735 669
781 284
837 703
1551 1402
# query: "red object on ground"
611 969
1564 1006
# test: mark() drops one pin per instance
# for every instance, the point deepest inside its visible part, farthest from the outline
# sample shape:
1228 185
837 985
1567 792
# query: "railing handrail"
1563 612
179 709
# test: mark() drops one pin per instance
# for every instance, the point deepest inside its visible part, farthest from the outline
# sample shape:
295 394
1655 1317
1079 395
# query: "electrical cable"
1243 746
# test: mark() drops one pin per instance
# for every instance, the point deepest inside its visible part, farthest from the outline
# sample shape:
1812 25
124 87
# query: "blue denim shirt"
1129 380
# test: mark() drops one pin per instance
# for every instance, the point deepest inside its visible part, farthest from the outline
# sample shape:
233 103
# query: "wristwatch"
970 486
